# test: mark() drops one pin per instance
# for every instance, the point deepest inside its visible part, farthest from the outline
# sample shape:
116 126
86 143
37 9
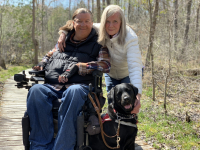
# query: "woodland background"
169 38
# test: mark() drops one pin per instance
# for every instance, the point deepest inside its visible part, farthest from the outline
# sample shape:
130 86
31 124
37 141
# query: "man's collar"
74 41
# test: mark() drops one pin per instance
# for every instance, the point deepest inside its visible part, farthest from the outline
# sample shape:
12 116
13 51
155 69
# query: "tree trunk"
93 6
169 66
104 5
42 26
98 11
197 25
175 25
108 2
117 2
2 62
152 30
89 4
129 11
69 9
33 34
150 56
189 4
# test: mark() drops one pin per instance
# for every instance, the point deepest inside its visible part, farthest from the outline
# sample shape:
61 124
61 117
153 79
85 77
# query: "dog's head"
122 97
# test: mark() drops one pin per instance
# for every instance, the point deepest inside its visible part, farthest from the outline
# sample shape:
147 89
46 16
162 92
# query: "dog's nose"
126 98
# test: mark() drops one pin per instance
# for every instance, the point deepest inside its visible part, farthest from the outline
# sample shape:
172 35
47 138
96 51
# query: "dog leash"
100 122
98 103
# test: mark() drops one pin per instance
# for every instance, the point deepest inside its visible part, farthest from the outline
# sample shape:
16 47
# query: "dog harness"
107 118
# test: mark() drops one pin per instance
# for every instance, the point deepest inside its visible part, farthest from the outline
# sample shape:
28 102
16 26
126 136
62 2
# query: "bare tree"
2 61
104 5
175 24
98 11
129 11
117 2
153 20
89 4
69 9
35 43
167 75
150 55
197 24
108 2
42 26
93 6
187 26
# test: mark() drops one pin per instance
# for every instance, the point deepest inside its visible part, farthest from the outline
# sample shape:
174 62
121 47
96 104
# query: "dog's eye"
118 98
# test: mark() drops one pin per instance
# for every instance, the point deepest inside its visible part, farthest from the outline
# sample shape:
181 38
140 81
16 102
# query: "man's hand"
137 105
40 66
72 69
61 42
62 79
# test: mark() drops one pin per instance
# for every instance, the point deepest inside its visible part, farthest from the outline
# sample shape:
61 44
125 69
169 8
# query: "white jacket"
126 60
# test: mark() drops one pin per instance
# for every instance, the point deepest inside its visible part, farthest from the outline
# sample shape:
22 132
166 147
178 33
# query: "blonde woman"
122 43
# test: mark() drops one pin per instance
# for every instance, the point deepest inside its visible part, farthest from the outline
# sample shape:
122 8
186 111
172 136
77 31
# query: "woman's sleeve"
134 60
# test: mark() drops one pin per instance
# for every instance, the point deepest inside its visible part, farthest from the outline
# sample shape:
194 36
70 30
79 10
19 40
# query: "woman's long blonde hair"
69 24
109 11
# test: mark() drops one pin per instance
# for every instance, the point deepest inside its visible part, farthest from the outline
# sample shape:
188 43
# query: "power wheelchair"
82 120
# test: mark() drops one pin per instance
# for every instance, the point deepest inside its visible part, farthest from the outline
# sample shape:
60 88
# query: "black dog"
121 98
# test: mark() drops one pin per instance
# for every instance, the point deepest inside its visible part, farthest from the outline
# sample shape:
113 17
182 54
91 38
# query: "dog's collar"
123 116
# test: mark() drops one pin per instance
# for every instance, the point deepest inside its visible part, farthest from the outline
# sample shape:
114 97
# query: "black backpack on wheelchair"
87 123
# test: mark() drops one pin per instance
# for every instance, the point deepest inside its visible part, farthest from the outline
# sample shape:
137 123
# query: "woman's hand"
61 42
137 105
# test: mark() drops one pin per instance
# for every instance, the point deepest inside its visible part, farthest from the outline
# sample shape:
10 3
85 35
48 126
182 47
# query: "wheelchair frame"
82 135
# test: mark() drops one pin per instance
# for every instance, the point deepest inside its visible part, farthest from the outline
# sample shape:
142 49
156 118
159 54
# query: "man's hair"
69 24
109 11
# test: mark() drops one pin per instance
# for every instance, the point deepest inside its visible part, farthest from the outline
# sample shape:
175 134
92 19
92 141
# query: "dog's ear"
111 95
135 90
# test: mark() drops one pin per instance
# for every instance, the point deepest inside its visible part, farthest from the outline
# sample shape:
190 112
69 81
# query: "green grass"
11 70
167 130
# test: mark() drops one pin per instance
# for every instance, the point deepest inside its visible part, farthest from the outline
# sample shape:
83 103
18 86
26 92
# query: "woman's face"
113 24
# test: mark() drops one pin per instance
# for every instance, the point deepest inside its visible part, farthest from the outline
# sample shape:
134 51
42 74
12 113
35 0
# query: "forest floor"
171 130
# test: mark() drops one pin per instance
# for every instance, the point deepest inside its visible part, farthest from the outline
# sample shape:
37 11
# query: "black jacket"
86 51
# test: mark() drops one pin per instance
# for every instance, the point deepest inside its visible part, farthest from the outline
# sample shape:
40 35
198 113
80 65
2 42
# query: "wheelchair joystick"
90 88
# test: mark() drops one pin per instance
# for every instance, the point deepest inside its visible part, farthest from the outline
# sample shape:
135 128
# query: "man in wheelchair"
67 76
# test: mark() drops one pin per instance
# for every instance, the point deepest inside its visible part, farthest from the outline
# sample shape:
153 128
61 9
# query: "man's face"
113 24
83 24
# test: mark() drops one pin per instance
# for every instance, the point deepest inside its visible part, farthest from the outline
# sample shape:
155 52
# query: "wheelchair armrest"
37 78
40 73
97 73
